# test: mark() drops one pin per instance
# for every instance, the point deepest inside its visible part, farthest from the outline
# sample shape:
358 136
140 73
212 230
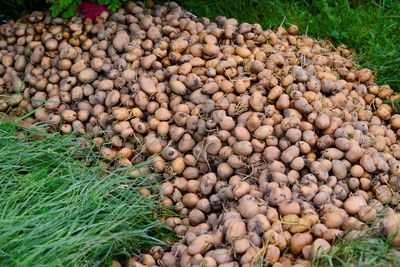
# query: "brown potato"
87 75
354 204
299 241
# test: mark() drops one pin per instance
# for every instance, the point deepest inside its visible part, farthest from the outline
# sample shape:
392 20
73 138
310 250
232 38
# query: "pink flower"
90 10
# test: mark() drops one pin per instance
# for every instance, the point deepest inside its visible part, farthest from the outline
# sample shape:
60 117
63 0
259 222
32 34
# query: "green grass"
55 210
372 28
362 252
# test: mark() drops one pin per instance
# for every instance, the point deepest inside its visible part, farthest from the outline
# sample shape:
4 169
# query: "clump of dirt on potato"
271 144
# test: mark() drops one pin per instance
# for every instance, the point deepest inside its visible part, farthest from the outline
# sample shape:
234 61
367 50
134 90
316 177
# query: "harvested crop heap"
272 144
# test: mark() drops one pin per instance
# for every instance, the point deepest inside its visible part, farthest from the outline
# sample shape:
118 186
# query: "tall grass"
55 210
365 251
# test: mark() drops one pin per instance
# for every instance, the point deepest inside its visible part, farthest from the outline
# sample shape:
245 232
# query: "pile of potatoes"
271 144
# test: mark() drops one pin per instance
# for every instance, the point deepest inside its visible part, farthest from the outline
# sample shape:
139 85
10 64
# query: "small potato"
224 170
213 144
354 204
367 214
105 85
236 229
297 163
69 115
290 154
263 132
256 101
332 220
147 85
241 133
354 153
241 189
178 87
196 217
299 241
248 207
120 40
384 194
240 246
274 93
87 75
389 226
339 169
322 121
112 98
272 255
319 246
200 245
271 153
332 153
258 224
243 148
163 114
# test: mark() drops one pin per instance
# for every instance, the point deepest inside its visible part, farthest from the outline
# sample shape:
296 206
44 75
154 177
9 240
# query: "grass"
55 210
362 252
372 28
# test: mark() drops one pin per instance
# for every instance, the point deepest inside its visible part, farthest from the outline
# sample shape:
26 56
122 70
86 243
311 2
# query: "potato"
297 164
120 40
243 148
319 171
105 85
196 217
87 75
275 93
354 204
389 226
299 241
248 207
331 235
37 54
332 220
271 153
200 245
177 87
240 246
339 169
224 170
383 193
319 246
236 229
367 214
69 115
278 195
256 101
263 132
112 99
322 121
147 85
213 144
290 154
332 153
227 123
241 189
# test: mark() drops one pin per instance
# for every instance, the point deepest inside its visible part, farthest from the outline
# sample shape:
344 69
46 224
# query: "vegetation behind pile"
55 211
